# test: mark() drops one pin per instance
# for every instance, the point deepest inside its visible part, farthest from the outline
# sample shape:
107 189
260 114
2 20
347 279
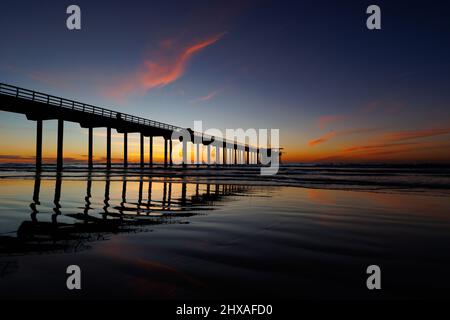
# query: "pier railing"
31 95
35 96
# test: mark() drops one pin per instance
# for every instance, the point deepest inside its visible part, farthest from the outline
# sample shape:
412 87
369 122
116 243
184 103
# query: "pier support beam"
59 156
142 150
170 154
38 145
108 148
198 159
217 155
165 152
151 152
224 154
235 155
185 153
248 157
125 149
90 147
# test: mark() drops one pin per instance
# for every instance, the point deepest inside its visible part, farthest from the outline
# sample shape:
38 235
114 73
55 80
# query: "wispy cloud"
372 147
332 134
165 66
207 97
414 134
322 139
387 151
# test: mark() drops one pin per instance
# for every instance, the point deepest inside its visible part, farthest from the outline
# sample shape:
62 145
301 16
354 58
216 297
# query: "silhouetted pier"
39 107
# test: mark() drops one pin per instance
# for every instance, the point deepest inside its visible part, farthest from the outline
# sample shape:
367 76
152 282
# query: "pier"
38 107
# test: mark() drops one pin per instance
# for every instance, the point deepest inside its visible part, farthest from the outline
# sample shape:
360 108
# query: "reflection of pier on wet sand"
93 224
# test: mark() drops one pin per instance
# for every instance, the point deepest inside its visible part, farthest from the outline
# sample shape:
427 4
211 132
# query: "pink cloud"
375 146
207 97
165 66
328 136
322 139
415 134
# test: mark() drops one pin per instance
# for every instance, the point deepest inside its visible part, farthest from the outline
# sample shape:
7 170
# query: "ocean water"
308 233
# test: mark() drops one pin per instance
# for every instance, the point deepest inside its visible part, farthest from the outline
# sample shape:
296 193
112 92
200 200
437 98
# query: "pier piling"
125 149
39 106
90 147
38 145
108 147
59 157
151 152
165 152
142 151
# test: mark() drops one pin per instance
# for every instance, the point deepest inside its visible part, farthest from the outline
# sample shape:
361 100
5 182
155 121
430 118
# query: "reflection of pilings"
124 197
57 198
38 145
59 157
33 236
87 199
183 193
36 202
164 196
141 188
169 197
149 200
106 200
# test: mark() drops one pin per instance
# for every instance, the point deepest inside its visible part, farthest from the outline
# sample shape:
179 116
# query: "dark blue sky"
310 68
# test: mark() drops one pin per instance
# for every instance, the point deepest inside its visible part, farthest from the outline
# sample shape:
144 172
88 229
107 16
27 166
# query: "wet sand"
154 237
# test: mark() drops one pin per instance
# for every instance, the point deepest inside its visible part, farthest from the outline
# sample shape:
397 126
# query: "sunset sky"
335 90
